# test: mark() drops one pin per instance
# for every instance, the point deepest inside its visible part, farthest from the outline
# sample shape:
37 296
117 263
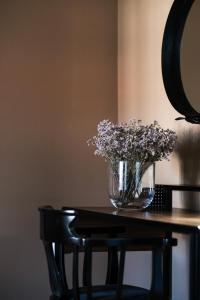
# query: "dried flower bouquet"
133 141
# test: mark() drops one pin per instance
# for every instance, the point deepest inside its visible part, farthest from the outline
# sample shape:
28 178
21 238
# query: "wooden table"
178 220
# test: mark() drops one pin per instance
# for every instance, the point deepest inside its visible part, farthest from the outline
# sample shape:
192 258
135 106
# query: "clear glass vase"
131 184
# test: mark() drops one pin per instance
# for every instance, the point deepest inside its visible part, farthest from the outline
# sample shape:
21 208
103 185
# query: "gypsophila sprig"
133 141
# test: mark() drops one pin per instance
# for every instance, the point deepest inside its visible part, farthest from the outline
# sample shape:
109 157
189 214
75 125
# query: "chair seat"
109 293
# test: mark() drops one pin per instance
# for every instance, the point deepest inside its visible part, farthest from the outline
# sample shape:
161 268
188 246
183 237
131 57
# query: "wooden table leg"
162 271
195 266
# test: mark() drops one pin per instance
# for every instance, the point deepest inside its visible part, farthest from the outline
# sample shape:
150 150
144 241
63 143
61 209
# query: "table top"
177 220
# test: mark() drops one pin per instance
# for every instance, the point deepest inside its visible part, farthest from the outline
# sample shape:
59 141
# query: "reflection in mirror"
190 58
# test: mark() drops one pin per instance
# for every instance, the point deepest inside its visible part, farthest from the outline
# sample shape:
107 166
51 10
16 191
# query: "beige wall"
141 95
58 78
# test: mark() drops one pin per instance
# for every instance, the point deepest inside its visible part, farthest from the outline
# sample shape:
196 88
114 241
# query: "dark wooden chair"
58 234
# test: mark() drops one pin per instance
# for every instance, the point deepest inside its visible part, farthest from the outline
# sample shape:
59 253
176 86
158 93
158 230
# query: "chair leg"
120 272
167 273
89 272
75 279
112 266
157 274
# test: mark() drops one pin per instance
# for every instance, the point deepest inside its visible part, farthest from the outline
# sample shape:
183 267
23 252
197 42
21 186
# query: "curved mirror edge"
171 60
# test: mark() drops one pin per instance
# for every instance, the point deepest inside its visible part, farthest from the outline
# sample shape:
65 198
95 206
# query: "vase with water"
131 184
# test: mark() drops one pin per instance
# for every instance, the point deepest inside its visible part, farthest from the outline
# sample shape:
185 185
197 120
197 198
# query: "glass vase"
131 184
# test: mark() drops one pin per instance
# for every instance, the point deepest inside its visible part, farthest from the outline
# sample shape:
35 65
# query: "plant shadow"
188 153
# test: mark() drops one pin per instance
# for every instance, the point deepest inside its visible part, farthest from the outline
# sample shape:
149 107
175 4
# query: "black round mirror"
181 59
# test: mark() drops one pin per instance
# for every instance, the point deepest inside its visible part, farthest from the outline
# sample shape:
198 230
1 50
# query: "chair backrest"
57 233
56 225
162 199
163 195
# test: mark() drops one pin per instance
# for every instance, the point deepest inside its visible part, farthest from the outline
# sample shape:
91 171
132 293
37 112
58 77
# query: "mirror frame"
171 69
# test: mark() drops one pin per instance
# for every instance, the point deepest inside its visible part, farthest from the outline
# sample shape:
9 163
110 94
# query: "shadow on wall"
188 153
